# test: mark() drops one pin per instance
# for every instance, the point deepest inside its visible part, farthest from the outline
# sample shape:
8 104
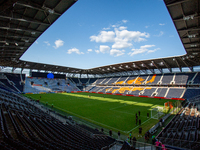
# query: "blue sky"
94 33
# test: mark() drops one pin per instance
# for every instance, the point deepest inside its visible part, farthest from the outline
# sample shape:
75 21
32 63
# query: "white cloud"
124 21
58 43
120 37
160 34
116 53
106 28
143 49
114 26
124 38
104 49
97 51
47 42
89 50
152 51
122 28
74 50
104 36
36 42
161 24
146 27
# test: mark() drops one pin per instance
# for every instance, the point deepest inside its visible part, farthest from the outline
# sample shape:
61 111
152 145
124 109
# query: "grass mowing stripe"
117 107
89 119
109 111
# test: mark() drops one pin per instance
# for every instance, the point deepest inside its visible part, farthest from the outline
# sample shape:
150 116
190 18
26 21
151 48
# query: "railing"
185 144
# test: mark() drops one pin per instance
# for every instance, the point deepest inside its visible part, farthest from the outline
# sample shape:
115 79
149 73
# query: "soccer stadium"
146 104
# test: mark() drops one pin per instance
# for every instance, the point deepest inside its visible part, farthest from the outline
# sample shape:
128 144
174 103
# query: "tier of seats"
153 79
169 92
13 81
183 131
36 85
26 127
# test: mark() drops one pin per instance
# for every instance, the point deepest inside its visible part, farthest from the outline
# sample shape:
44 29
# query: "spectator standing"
140 131
161 122
118 135
134 142
153 139
163 147
139 113
130 136
110 132
140 122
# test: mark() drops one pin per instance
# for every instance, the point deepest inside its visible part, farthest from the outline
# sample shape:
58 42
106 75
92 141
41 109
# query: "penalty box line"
91 120
142 123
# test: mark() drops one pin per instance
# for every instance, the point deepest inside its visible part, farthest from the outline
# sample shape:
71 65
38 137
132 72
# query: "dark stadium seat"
34 129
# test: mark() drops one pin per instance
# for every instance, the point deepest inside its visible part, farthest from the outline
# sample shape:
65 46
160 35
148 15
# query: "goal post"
157 112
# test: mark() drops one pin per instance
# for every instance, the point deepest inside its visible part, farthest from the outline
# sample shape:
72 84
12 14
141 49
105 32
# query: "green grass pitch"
108 111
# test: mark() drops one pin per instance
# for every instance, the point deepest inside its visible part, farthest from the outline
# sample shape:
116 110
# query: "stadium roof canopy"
23 21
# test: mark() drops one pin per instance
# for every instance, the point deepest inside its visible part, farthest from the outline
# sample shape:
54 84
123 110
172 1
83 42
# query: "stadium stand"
183 78
17 80
196 79
99 81
149 91
13 81
113 80
161 92
124 90
136 90
183 130
131 80
24 126
36 85
122 80
191 92
175 92
140 80
153 79
167 79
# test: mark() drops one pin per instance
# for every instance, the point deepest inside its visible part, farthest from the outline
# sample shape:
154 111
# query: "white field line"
90 120
138 125
123 112
117 107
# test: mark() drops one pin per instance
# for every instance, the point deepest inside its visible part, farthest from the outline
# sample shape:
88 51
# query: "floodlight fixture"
161 63
190 17
193 45
51 11
151 64
192 35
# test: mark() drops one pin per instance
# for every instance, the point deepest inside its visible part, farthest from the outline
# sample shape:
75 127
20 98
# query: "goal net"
157 112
